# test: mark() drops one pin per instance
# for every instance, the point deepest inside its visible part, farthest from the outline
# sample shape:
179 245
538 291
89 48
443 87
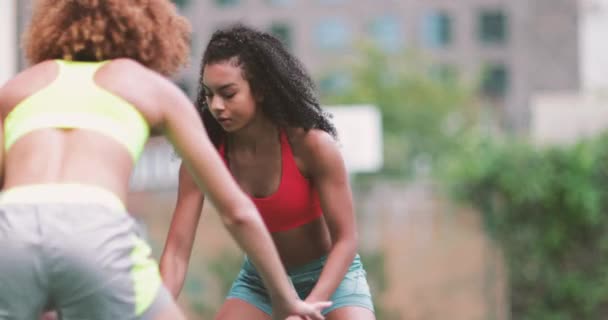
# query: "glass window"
386 32
335 83
227 3
437 29
331 1
492 27
332 34
283 32
181 3
495 80
279 2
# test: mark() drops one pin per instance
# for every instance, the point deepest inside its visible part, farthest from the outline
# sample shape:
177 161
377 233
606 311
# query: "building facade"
513 48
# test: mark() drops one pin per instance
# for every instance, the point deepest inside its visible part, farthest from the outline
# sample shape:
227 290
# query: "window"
335 83
437 29
492 27
332 34
283 32
330 1
495 80
386 32
181 3
227 3
279 3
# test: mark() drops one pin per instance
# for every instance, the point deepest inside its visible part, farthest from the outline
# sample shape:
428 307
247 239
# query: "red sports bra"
295 202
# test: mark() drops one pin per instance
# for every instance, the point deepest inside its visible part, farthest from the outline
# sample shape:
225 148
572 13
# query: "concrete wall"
562 118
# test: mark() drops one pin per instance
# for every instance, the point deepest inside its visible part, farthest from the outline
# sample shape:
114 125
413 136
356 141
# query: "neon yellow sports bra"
74 101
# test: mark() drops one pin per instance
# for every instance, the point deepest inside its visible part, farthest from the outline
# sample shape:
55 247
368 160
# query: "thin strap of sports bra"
288 161
222 150
80 74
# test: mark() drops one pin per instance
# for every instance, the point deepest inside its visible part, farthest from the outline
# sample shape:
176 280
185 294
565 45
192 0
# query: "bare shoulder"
310 140
313 148
127 72
148 90
26 83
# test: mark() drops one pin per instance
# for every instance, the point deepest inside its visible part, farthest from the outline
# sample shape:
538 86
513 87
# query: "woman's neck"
260 131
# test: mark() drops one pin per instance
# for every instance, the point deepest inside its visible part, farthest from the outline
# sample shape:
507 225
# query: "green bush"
546 208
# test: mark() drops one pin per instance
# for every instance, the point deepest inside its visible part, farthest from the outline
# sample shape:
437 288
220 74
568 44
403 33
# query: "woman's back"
59 129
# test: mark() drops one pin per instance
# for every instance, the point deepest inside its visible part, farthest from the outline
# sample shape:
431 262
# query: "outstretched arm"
178 247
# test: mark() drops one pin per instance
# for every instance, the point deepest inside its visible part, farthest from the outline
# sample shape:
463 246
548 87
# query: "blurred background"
473 131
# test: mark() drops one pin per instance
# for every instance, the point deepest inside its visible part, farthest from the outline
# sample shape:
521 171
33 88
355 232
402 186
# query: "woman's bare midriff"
303 244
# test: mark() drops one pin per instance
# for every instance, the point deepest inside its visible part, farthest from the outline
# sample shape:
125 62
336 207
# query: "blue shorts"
353 291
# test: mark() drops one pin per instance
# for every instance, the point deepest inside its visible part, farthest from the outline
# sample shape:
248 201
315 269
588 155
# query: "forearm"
252 236
338 261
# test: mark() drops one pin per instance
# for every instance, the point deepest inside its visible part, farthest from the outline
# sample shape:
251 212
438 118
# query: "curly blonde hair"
148 31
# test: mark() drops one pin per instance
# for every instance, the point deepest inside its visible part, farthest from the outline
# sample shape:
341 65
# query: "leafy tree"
546 209
424 110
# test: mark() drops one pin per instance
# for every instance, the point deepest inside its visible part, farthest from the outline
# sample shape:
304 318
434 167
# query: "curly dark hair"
148 31
272 72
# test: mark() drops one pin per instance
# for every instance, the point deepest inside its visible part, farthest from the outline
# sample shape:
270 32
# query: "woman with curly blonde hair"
73 126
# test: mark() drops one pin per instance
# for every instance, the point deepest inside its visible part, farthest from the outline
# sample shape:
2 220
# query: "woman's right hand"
298 309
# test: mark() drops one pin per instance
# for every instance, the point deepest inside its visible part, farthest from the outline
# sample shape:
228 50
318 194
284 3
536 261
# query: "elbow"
166 259
348 244
241 214
175 255
169 263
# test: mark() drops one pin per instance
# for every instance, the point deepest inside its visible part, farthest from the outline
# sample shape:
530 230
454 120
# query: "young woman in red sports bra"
259 109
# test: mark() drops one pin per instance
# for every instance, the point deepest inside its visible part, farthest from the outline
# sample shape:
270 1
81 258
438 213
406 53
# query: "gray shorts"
84 260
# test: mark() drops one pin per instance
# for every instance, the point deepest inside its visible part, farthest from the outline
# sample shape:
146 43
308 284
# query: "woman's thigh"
237 309
351 313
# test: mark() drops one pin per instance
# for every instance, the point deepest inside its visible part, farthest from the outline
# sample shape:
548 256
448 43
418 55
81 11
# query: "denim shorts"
353 291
